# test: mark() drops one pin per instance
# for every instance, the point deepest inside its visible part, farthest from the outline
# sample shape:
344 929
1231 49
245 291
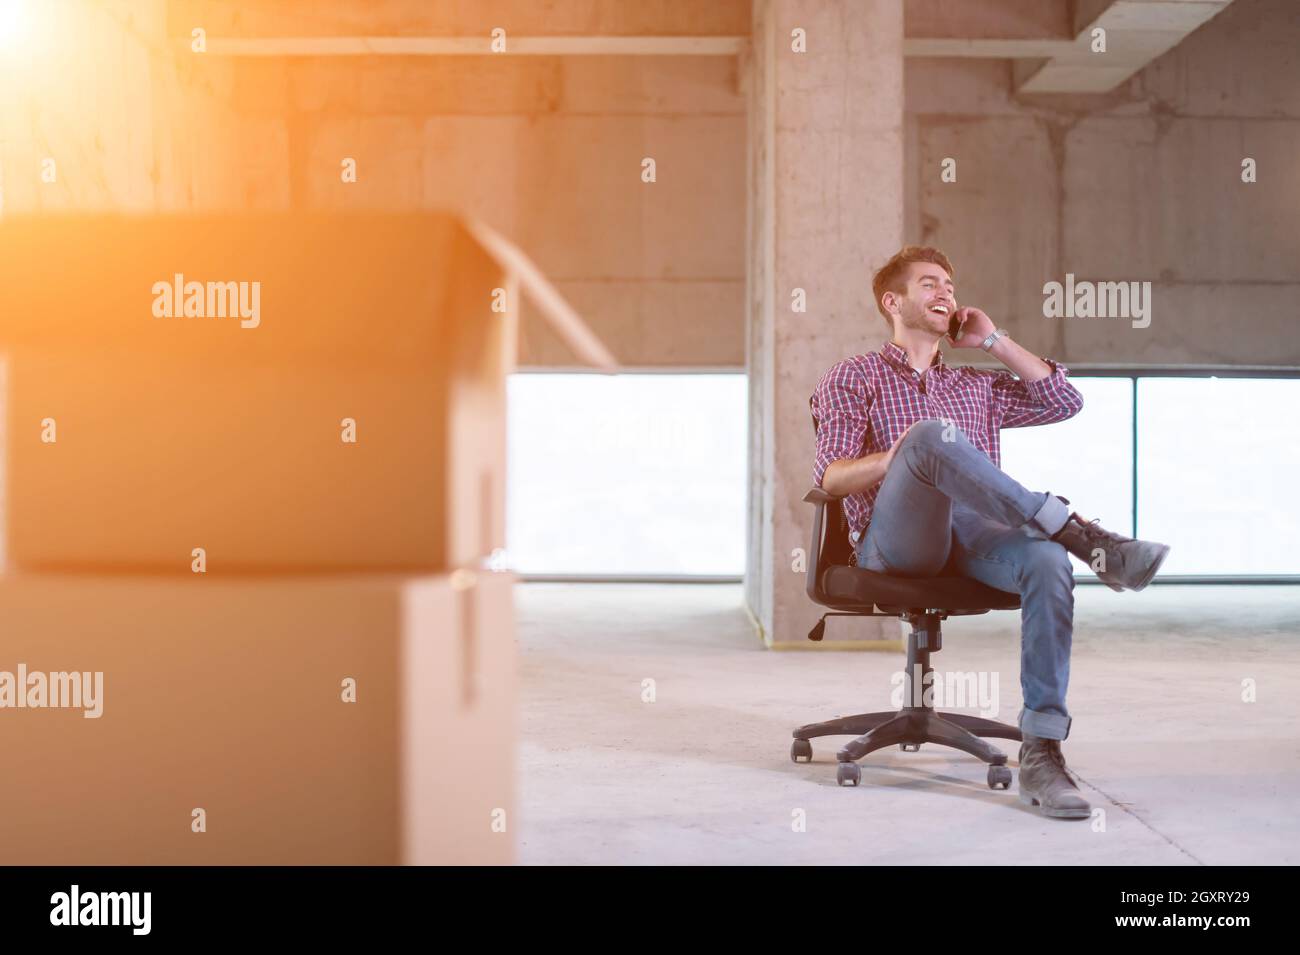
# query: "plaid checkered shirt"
862 404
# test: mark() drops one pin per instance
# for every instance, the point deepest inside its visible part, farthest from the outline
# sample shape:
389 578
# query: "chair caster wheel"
910 747
800 748
848 774
999 777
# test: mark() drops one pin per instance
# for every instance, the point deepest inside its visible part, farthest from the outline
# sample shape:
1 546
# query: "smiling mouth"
940 310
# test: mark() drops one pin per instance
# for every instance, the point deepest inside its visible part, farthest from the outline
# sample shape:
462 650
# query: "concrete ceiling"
1051 41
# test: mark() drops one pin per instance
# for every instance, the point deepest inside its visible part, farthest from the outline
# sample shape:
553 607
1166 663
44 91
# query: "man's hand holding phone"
968 327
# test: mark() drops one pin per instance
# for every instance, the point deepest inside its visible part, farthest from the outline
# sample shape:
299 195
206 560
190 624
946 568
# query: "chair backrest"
835 543
835 549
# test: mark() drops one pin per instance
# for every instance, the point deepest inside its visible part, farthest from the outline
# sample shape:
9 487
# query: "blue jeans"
944 508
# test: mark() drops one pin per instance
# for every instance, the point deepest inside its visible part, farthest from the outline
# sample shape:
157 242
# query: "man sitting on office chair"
911 444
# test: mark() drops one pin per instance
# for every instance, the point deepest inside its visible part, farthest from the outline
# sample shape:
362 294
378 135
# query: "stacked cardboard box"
254 476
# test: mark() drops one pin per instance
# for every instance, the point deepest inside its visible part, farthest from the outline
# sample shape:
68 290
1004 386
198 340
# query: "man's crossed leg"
944 507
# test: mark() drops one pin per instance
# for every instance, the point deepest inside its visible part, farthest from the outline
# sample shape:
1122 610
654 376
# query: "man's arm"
842 404
1027 365
856 475
860 475
1042 394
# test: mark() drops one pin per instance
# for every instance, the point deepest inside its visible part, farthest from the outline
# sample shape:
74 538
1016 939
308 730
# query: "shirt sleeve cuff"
819 469
1053 388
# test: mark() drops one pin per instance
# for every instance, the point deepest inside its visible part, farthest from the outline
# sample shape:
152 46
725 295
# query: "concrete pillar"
825 209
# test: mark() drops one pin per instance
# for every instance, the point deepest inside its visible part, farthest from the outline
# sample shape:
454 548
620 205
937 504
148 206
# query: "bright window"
1214 463
627 474
1217 459
646 474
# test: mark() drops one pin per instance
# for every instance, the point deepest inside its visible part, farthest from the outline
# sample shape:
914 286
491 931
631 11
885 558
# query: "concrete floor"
1186 772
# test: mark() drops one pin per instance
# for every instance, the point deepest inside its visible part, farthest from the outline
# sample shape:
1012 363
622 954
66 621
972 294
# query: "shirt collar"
896 356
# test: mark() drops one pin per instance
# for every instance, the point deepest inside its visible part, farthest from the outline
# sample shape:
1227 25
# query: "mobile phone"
954 326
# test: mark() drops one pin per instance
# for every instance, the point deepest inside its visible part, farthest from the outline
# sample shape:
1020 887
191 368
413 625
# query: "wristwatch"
987 344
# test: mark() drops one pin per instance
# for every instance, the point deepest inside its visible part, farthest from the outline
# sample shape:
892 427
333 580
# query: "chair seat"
849 586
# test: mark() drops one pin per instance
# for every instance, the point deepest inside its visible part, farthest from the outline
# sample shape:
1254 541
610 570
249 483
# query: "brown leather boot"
1121 563
1045 783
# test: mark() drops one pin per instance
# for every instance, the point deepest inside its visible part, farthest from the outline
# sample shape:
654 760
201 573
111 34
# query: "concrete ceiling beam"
1137 33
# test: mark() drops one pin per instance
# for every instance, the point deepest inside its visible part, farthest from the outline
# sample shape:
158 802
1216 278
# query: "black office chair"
922 602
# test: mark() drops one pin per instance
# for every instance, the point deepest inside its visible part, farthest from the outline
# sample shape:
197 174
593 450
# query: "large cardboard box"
228 696
286 392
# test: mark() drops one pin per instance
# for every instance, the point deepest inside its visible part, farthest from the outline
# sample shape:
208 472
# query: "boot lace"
1053 750
1054 755
1094 533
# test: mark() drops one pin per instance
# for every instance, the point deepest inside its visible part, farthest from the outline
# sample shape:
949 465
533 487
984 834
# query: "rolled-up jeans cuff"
1050 518
1045 725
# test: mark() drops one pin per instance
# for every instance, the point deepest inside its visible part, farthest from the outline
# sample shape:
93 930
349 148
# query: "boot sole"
1146 577
1034 803
1155 566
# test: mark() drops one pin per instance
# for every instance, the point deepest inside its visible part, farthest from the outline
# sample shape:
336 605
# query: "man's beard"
915 316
